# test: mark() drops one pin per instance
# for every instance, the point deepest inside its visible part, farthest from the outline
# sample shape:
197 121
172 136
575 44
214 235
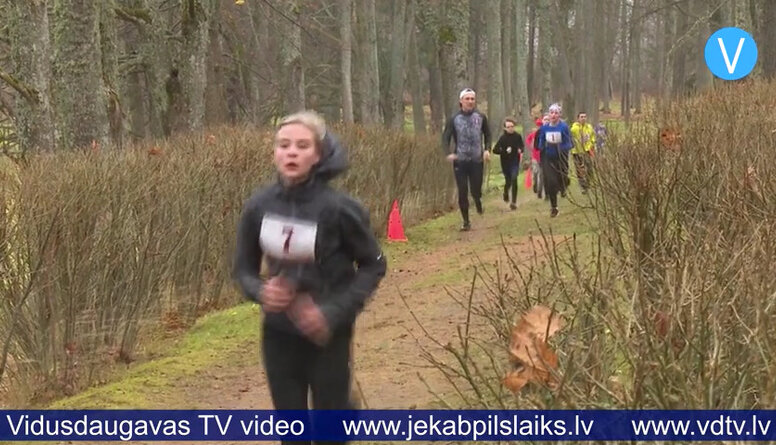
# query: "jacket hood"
334 159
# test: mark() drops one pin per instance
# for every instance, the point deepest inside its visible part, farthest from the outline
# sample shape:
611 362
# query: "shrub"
101 244
669 304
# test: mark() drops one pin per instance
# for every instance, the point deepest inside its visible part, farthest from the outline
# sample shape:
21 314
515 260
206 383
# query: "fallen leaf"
671 138
516 380
533 352
529 353
541 322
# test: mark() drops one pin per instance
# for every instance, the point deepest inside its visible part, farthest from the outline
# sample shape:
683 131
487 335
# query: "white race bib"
553 137
288 239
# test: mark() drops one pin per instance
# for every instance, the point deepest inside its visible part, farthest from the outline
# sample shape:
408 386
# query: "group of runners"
552 144
305 251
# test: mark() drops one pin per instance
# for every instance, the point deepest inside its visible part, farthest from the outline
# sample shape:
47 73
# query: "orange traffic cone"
528 179
395 228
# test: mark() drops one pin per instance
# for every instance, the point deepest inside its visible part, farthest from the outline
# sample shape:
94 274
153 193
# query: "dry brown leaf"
541 322
529 352
671 138
516 379
532 352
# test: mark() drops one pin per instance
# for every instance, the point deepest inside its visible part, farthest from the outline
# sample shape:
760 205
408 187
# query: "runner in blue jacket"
554 143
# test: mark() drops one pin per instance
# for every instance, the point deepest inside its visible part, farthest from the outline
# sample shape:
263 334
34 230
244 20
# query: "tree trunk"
395 104
157 61
216 94
507 32
195 24
416 86
660 37
345 13
610 40
767 42
28 29
704 77
109 50
251 66
566 60
475 43
679 53
669 18
545 45
454 39
291 60
625 70
428 22
531 70
368 73
522 102
495 72
635 54
78 99
598 57
436 89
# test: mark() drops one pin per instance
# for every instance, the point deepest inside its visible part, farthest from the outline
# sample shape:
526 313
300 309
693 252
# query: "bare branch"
134 15
27 91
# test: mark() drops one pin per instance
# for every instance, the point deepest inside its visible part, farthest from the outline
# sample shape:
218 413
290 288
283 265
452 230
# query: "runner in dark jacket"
468 129
311 235
510 147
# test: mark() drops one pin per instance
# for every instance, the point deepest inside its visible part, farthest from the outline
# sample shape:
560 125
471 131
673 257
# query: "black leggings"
564 166
294 366
510 180
554 178
468 174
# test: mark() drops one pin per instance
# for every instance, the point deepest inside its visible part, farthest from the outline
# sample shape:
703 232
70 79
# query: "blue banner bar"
386 425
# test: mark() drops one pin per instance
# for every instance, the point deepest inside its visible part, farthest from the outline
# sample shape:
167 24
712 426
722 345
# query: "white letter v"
731 67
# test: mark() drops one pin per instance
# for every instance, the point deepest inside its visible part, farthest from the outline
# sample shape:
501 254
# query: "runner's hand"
486 155
276 294
452 157
307 316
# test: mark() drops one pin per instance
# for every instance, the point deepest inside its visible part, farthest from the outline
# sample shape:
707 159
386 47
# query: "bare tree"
767 42
345 14
429 52
368 67
291 59
394 109
544 48
78 100
415 76
454 49
522 102
507 53
495 72
30 51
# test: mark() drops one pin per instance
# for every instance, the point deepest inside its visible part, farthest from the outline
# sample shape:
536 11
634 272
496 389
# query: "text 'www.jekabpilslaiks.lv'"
417 428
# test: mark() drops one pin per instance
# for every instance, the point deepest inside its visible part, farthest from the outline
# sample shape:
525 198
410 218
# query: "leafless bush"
670 302
97 245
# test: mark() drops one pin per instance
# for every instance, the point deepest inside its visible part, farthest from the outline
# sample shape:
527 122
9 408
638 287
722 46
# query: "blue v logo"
731 53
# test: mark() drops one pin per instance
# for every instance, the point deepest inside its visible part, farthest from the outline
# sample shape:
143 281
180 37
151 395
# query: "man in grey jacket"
468 128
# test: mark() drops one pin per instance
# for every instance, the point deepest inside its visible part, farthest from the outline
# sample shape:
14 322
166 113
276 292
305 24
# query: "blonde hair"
310 119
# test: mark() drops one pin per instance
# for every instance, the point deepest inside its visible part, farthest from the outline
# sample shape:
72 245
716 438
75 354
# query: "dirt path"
390 370
388 357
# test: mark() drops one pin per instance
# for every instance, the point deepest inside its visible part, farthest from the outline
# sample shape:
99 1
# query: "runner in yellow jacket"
583 137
